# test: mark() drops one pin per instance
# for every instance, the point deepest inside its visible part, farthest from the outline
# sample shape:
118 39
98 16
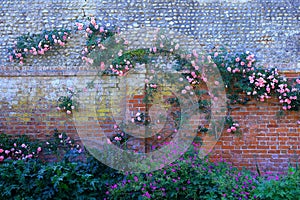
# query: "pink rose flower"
1 158
69 112
108 141
102 66
193 74
39 149
195 53
242 63
10 58
233 128
101 29
187 87
229 130
120 53
1 150
237 59
118 138
7 152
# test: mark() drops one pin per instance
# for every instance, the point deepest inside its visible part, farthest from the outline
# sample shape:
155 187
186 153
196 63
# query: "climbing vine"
242 78
37 44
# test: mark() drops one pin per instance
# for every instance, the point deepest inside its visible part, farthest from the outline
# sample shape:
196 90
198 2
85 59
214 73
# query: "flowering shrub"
37 44
188 178
139 118
119 138
241 75
233 127
95 33
18 148
59 142
289 94
67 103
284 187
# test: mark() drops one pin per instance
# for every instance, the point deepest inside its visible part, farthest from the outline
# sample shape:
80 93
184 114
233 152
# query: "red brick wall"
269 139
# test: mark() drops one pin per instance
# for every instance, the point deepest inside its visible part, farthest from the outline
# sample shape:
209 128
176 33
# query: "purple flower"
147 195
114 186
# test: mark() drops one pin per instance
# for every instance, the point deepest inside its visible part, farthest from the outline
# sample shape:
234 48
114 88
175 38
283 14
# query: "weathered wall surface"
270 29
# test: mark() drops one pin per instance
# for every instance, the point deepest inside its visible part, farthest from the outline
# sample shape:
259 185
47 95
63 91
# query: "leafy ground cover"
77 175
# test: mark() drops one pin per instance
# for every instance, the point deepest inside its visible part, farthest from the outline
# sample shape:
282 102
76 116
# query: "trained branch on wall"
242 78
37 44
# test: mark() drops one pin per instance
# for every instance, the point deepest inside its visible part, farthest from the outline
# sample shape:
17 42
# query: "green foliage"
287 187
67 103
187 178
62 180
